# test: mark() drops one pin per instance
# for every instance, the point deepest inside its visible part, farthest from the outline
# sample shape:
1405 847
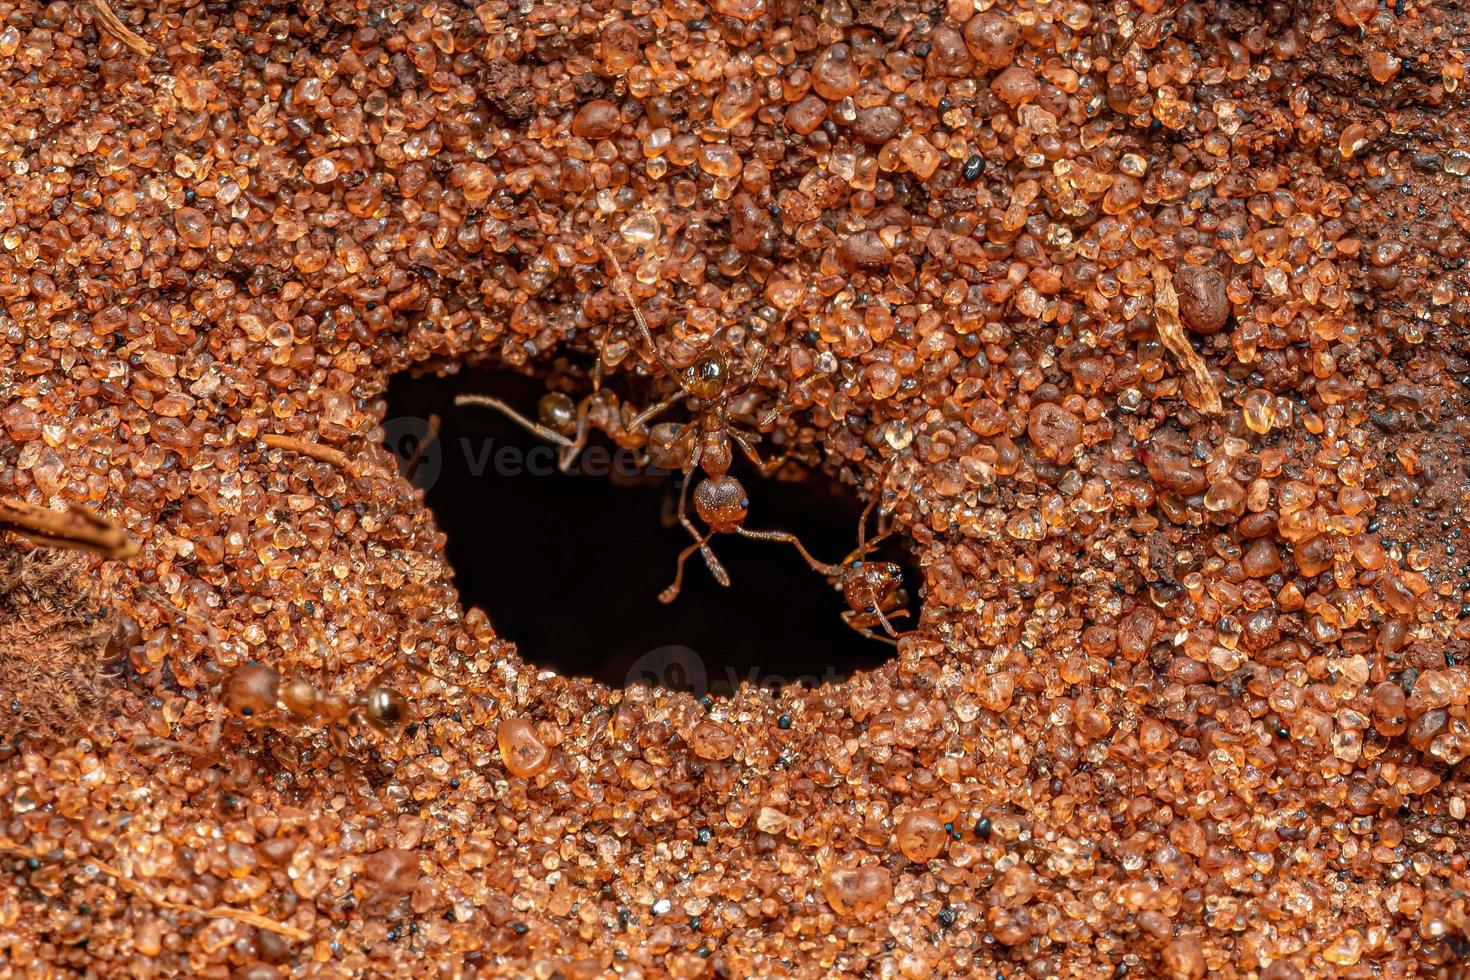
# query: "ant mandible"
705 444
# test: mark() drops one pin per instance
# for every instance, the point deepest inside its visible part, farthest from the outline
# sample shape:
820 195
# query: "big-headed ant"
255 691
262 696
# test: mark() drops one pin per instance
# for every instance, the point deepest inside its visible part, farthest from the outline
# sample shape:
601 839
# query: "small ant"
873 590
254 691
706 444
567 424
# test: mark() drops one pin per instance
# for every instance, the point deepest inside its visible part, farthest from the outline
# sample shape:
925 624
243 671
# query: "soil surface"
1143 326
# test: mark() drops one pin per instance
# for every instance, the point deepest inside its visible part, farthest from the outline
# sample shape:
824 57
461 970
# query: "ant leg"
567 455
672 592
597 368
760 361
652 411
755 373
887 623
817 566
715 567
862 548
766 467
785 404
485 401
149 743
858 624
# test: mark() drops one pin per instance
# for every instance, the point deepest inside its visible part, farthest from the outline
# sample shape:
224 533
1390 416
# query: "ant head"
721 503
705 378
557 412
868 583
386 709
251 690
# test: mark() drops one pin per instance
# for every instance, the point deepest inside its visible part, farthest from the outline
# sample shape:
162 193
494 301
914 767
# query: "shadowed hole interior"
570 567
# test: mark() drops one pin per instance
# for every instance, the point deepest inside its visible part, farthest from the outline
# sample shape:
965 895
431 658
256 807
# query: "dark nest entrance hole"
570 567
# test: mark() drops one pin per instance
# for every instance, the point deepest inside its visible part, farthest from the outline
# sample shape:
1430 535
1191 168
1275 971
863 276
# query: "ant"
567 424
255 691
705 444
873 590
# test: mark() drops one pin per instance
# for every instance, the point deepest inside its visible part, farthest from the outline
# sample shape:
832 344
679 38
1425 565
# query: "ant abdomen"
557 412
386 708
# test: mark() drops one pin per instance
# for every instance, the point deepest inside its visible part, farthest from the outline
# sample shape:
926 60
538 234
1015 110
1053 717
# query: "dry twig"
1171 332
112 24
77 528
138 888
315 450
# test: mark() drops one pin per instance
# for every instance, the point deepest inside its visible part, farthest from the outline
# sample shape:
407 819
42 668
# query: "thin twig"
112 24
77 528
620 283
1171 332
313 449
138 888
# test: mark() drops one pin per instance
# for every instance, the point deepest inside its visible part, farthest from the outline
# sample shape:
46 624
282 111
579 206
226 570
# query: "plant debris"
1171 332
77 528
112 24
54 641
